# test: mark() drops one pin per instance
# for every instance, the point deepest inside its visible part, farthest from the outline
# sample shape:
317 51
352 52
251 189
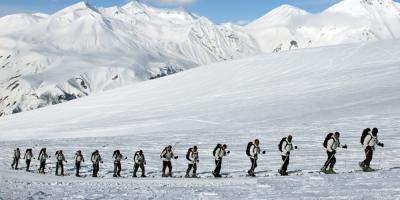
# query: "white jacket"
193 157
78 158
254 151
286 147
167 155
28 155
333 144
60 157
96 158
117 158
219 153
43 157
17 154
139 159
370 141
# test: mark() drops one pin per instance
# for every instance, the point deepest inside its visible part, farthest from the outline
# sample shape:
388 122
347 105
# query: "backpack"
188 154
136 154
329 136
281 143
248 148
116 152
162 152
363 135
215 149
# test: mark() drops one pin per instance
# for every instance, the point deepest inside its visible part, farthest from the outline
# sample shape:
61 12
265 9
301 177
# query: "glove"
197 161
334 151
344 146
295 147
288 153
263 152
381 144
228 152
101 162
144 162
176 157
126 158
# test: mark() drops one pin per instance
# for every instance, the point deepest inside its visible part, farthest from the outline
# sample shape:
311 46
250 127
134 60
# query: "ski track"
309 157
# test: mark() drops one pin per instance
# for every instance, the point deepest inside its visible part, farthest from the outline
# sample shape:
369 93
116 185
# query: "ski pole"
327 163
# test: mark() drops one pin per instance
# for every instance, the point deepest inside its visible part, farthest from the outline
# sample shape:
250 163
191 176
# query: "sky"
220 11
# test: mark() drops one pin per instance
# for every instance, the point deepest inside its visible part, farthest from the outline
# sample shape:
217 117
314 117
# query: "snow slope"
307 93
348 21
81 50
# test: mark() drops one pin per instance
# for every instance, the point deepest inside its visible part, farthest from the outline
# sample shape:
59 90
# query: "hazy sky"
217 10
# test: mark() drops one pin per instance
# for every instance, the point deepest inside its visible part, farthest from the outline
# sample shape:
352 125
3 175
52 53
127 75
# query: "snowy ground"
307 93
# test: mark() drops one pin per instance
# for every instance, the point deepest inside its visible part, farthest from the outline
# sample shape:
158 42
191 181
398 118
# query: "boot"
164 175
134 175
361 164
187 175
368 169
143 176
323 169
331 171
194 175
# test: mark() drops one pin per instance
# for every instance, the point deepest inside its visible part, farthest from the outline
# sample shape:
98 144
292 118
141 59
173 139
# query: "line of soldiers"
331 143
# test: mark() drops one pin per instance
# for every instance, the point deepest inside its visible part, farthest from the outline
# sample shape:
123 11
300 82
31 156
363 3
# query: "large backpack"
188 154
363 135
329 136
217 147
281 143
116 152
248 148
136 154
162 152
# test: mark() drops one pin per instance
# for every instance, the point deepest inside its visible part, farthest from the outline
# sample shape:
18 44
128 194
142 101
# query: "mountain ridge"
82 50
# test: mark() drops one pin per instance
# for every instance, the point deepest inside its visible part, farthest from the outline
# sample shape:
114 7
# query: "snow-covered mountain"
348 21
81 50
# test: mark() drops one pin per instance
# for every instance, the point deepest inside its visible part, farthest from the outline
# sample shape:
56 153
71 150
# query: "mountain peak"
135 4
280 15
286 8
78 6
359 7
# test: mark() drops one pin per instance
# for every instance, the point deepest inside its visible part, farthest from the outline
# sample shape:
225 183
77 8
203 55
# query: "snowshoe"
361 164
187 176
164 175
143 176
114 175
194 176
217 175
283 173
368 169
331 171
250 173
